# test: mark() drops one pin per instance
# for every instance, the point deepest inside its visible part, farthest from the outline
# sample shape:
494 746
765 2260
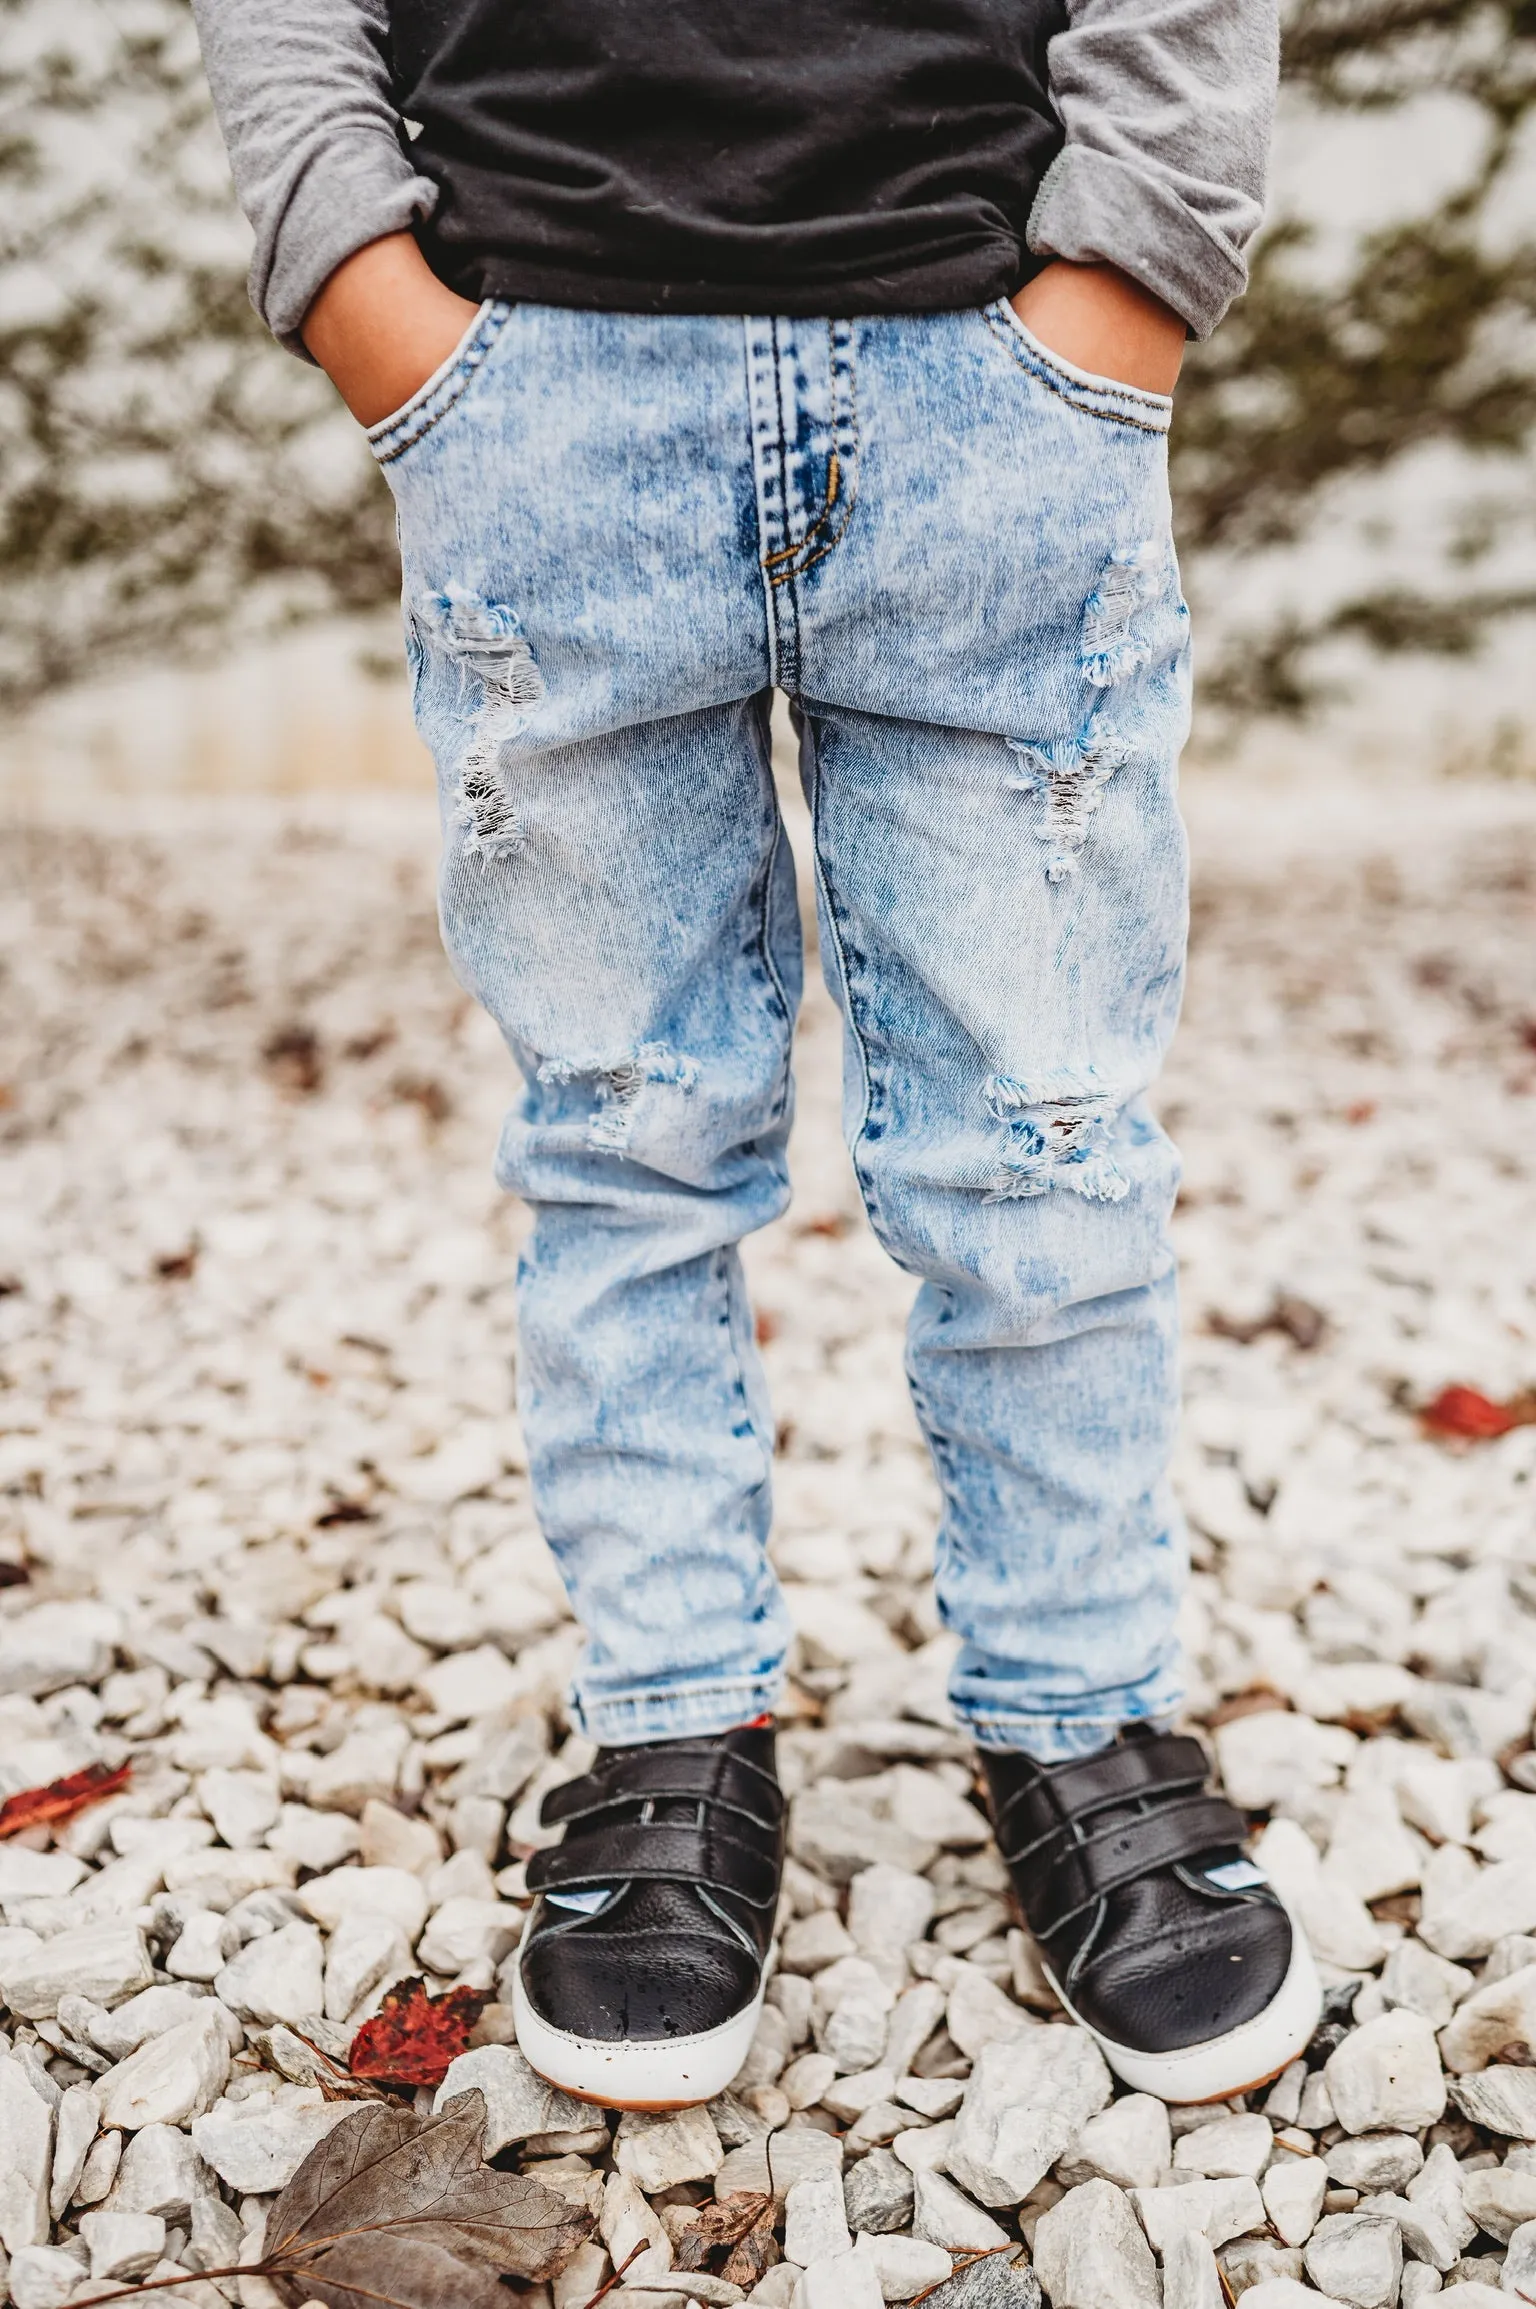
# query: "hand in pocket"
382 324
1105 323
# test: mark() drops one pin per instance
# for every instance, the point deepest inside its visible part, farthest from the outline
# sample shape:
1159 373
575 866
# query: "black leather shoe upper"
657 1907
1132 1878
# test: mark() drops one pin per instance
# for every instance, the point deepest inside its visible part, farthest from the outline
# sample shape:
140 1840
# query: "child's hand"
1101 320
382 323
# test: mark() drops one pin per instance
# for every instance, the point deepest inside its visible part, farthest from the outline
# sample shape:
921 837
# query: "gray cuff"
1094 208
343 195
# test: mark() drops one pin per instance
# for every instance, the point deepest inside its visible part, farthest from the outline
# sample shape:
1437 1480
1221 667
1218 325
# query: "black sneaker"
640 1977
1158 1935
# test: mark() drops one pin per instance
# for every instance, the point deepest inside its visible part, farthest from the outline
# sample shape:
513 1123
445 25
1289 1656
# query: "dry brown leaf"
724 2223
754 2255
398 2209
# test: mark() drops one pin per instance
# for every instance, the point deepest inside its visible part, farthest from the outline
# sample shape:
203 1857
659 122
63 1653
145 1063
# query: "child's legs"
995 688
617 891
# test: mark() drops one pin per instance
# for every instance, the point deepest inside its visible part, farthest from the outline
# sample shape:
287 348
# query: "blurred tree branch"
171 475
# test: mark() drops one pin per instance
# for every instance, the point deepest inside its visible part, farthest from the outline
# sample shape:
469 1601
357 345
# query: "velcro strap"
1075 1791
654 1851
1083 1873
696 1774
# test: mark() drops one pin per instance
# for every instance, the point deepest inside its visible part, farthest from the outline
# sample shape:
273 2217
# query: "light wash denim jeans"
953 552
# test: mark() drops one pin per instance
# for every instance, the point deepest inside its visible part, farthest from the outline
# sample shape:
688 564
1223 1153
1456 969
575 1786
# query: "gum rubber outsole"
653 2075
1248 2056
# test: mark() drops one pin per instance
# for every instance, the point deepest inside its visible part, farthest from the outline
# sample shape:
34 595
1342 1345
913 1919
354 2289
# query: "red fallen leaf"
1464 1415
413 2036
61 1799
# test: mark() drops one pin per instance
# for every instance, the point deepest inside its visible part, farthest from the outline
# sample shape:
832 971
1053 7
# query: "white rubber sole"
671 2073
1235 2063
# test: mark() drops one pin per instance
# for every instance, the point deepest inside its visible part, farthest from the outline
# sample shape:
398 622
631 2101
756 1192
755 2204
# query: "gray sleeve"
302 91
1167 106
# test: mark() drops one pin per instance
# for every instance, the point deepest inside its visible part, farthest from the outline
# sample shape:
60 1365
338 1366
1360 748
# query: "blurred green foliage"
168 475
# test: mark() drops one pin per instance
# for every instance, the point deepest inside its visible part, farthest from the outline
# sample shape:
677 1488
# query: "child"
723 348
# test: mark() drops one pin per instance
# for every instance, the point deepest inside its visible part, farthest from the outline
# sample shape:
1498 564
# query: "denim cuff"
621 1719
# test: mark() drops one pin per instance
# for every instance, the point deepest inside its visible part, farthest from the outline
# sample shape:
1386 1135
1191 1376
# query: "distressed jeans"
952 551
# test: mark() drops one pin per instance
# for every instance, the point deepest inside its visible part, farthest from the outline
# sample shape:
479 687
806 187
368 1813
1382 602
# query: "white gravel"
259 1464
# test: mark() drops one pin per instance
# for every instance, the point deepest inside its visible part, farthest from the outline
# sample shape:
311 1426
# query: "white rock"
1436 1795
317 1840
150 2013
258 2145
1128 2143
1290 2293
171 2077
806 2079
835 1832
904 2265
659 2152
1217 2209
466 1932
888 1908
627 2221
365 1953
1227 2149
44 2276
849 2282
26 2158
161 2172
850 2096
1502 1899
917 2013
815 2223
27 1875
367 1763
925 2148
1026 2102
1425 1983
465 1684
56 1644
944 2215
1358 2257
1090 2254
851 2008
1386 2076
1370 1852
1518 2275
279 1977
814 1941
1502 2099
518 2103
1293 2190
75 2126
978 2013
122 2244
1503 2013
218 1879
797 2152
1372 2162
392 1893
241 1805
203 1947
392 1839
100 2169
105 1962
1339 1926
1271 1755
1191 2279
574 2285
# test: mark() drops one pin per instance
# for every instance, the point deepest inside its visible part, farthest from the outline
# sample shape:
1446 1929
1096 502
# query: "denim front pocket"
1103 397
444 389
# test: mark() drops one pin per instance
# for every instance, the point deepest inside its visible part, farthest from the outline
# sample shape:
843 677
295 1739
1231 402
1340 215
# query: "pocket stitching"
1068 388
412 425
